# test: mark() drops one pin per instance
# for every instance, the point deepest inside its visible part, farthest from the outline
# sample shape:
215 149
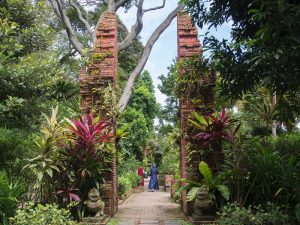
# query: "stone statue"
202 204
94 205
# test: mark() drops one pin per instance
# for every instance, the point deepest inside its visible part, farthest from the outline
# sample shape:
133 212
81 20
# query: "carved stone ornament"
94 206
202 204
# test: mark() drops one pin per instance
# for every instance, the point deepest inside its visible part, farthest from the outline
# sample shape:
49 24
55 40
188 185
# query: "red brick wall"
189 46
102 71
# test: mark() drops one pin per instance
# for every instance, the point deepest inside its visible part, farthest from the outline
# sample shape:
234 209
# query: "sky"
164 50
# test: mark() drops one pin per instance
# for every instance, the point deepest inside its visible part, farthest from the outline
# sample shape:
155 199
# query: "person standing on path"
141 174
153 184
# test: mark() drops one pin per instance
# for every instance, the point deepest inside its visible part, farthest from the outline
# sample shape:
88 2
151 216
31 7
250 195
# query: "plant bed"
209 220
95 220
138 189
128 193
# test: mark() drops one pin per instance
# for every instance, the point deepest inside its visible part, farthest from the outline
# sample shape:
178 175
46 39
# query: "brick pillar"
189 46
101 72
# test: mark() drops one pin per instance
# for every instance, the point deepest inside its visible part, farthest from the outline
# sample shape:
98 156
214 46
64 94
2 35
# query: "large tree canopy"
264 45
87 19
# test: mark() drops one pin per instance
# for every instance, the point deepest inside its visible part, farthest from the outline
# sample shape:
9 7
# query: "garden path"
149 208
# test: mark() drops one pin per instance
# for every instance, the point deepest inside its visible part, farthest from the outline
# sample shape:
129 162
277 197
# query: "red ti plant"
84 154
214 128
68 195
87 133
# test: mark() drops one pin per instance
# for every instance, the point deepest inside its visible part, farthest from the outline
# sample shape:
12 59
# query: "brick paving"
149 208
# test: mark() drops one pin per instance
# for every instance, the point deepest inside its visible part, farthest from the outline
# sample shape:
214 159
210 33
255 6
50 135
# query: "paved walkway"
149 208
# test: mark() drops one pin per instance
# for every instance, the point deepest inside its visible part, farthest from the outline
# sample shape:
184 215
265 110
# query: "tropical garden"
51 155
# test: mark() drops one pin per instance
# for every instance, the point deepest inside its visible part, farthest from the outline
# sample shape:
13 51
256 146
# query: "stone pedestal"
204 220
96 220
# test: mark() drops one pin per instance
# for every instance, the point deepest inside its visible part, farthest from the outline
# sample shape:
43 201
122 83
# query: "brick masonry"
102 71
189 46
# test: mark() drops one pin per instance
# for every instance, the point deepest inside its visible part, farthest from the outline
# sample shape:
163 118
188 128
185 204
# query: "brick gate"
102 71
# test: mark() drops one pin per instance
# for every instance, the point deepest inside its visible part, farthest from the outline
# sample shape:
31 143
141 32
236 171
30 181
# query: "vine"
194 77
108 97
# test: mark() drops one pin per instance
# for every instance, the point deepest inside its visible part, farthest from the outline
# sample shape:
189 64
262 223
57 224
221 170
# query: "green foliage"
113 222
138 118
170 148
168 114
253 164
42 214
23 34
30 77
15 145
45 164
264 46
217 190
128 164
126 182
187 81
10 194
214 184
109 104
29 86
137 129
124 185
268 214
143 98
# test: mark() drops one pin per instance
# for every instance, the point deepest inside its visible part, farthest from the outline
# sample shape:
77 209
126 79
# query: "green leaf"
191 195
200 118
223 189
40 175
201 127
49 171
55 168
206 173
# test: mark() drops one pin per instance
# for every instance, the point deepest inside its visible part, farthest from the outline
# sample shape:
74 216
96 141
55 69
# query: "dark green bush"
265 170
269 214
10 194
15 146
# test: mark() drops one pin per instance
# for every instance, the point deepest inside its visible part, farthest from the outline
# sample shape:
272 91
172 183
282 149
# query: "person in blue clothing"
153 184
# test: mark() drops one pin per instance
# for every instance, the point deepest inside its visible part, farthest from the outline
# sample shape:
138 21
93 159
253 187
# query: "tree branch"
58 9
135 29
83 20
121 3
147 50
155 8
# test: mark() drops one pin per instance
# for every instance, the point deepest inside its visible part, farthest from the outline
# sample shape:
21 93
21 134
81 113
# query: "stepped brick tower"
101 72
189 46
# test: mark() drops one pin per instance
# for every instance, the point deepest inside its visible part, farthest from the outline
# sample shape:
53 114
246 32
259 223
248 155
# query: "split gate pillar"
189 47
101 72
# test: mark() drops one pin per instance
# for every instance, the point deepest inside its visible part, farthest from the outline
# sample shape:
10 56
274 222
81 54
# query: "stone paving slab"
149 208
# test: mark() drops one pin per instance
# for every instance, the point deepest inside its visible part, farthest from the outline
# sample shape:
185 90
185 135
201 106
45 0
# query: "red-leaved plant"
84 147
214 127
68 195
86 134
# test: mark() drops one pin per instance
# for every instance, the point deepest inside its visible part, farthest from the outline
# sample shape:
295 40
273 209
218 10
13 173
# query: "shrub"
14 147
127 165
49 214
265 170
134 178
270 214
123 186
10 192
